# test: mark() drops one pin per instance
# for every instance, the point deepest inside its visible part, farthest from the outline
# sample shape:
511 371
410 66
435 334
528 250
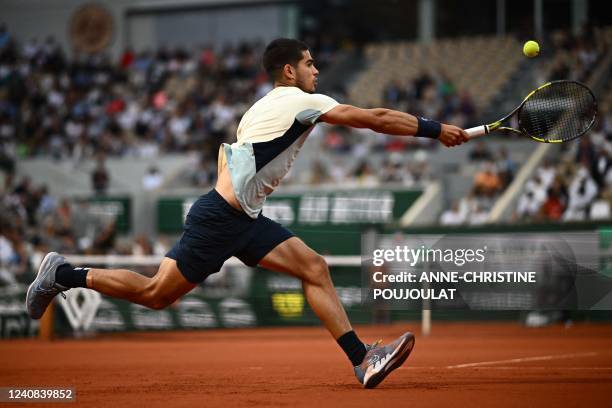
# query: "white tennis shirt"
270 135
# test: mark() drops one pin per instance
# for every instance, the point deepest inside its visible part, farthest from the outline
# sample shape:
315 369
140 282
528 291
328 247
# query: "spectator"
582 191
585 154
531 200
546 173
335 140
527 207
100 178
478 215
205 173
602 169
364 175
601 139
421 83
5 37
142 246
393 171
47 203
104 242
8 256
453 216
63 222
507 167
554 206
480 152
394 93
153 179
318 173
486 181
127 58
538 187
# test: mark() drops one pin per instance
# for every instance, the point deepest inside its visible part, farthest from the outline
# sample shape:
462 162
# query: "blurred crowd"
428 95
574 56
148 103
144 104
33 222
577 187
86 108
494 172
361 157
432 96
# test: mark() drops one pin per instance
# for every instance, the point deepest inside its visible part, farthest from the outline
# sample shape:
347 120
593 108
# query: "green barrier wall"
323 210
112 206
251 298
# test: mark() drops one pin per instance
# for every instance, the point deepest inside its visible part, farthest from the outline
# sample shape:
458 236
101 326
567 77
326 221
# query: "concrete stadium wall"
72 178
150 23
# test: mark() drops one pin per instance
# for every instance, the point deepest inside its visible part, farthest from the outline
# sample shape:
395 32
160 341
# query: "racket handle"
477 131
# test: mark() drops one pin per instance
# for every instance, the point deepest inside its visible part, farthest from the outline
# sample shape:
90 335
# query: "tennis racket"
555 112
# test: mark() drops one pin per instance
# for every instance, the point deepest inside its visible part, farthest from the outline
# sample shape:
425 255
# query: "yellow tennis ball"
531 49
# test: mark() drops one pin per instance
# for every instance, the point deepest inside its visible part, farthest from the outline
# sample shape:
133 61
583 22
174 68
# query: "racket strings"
558 112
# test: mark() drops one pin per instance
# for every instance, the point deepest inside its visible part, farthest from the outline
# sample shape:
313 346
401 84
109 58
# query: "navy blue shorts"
215 231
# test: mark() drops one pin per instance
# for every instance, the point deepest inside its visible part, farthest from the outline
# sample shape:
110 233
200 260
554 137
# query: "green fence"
117 207
319 210
244 297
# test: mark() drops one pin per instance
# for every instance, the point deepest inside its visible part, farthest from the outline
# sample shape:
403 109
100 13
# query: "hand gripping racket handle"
477 131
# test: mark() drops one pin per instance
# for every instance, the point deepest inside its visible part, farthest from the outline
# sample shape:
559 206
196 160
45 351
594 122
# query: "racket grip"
477 131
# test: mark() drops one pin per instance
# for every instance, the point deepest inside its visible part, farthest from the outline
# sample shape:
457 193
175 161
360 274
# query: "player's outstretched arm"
392 122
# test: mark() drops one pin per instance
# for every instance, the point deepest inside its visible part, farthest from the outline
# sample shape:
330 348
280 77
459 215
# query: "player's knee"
318 271
154 298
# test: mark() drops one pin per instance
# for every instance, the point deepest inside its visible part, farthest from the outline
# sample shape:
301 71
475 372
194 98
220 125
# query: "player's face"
306 73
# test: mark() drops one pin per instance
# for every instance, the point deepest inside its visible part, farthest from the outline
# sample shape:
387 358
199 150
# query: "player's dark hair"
280 52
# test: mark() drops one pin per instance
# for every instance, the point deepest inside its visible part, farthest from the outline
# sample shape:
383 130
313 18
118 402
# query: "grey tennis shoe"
379 361
44 288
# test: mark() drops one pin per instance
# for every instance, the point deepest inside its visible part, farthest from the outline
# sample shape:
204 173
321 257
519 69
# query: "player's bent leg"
55 275
294 257
371 365
156 292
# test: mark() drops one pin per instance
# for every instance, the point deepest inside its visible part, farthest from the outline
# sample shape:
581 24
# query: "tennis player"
227 221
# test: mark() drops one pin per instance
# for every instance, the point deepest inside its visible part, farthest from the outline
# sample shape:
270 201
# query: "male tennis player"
227 221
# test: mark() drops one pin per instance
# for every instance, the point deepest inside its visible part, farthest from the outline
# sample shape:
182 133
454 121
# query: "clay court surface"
485 364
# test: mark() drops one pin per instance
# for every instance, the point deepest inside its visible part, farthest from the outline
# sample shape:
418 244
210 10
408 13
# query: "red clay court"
484 364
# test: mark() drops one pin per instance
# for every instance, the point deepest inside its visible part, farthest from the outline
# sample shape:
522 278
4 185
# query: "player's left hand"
452 135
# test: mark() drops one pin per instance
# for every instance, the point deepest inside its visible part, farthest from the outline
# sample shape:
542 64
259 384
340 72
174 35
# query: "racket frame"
482 130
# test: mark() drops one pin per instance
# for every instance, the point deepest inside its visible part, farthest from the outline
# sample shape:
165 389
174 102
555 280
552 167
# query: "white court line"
520 360
517 368
548 368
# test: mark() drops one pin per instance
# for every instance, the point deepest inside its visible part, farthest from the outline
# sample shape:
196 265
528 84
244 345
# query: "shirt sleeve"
314 106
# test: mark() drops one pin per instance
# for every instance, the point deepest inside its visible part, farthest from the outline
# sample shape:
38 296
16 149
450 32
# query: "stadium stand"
571 58
170 101
472 67
575 184
153 105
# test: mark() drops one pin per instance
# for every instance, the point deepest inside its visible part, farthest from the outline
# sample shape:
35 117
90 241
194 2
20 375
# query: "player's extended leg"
55 275
156 292
371 363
